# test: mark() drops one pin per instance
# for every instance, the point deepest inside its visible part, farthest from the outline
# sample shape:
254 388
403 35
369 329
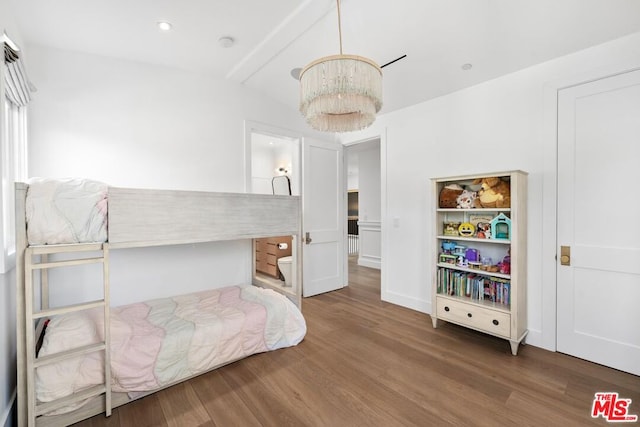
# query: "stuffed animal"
495 193
449 195
466 199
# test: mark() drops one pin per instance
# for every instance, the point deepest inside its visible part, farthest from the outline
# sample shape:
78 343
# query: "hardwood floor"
369 363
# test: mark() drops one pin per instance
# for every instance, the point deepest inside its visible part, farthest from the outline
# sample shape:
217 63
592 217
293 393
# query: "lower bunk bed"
158 343
79 360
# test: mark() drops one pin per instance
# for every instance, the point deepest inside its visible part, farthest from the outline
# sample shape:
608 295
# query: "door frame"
547 338
382 136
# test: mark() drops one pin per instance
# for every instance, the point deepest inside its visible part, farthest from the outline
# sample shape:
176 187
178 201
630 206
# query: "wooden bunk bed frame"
142 218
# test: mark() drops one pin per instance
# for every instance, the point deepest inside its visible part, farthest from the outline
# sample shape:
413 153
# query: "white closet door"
598 294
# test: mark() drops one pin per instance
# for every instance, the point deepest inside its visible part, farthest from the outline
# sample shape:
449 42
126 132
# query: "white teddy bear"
466 200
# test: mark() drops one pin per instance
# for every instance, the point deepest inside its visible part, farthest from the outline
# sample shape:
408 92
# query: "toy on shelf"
495 193
448 258
447 247
449 195
505 267
451 228
466 199
461 262
487 265
501 227
483 230
472 255
466 229
505 264
459 250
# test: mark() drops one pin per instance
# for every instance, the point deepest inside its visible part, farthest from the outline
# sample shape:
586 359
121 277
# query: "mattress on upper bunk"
61 211
160 342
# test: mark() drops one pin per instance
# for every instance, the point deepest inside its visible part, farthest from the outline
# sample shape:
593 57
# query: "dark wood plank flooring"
369 363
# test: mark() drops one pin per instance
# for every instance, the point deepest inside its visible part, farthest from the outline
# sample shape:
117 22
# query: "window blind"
17 86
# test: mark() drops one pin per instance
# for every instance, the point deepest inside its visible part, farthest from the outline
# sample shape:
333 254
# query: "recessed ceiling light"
466 66
164 26
226 41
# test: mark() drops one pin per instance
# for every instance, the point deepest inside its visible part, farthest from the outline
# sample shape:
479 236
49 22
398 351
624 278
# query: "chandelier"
340 93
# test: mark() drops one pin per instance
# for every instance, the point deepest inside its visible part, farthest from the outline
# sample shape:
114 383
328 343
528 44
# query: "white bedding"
66 211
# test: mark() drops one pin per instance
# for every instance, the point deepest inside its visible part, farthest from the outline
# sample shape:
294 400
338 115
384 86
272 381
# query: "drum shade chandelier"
340 93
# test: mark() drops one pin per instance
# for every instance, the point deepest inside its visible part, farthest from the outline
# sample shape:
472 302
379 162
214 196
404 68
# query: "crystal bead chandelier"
340 93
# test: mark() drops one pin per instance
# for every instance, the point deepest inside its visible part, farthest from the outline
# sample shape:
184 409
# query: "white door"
322 217
598 294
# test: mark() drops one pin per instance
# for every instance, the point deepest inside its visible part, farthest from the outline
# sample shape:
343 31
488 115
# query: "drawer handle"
469 315
495 322
446 308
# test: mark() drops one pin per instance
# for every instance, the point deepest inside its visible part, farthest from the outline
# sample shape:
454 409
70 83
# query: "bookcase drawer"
474 316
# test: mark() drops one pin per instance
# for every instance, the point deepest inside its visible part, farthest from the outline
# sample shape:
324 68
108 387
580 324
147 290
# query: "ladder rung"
71 247
56 357
43 408
68 309
66 263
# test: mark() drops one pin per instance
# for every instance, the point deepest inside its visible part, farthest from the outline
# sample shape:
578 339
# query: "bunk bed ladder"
44 311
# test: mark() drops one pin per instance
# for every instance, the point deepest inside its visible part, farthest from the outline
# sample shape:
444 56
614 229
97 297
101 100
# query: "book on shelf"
473 286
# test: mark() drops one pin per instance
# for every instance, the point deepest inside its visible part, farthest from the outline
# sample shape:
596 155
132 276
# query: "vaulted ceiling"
273 37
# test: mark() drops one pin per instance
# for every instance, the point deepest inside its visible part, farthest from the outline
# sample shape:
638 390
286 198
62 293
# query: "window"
14 96
13 169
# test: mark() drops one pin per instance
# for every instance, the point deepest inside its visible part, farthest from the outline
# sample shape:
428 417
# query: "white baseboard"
534 338
369 261
6 415
407 302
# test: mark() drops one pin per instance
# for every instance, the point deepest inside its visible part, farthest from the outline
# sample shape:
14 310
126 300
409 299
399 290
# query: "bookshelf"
479 258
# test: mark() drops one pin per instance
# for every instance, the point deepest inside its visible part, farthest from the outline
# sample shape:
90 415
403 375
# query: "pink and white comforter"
160 342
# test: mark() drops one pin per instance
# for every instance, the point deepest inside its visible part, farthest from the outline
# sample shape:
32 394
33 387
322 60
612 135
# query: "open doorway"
364 209
273 162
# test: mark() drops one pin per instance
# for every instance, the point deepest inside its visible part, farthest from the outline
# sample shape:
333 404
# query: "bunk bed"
138 218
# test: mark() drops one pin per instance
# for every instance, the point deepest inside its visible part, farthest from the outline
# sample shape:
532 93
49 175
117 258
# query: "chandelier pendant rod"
339 26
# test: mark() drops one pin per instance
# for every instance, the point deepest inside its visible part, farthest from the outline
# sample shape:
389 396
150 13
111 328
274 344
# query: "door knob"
307 238
565 255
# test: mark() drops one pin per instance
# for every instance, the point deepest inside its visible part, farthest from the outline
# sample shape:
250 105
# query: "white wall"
136 125
503 124
352 179
369 183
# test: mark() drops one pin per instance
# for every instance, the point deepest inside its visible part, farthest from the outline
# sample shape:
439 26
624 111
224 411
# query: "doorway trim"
382 136
547 338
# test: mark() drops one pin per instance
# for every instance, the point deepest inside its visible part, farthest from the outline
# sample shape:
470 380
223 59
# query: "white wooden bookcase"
455 298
